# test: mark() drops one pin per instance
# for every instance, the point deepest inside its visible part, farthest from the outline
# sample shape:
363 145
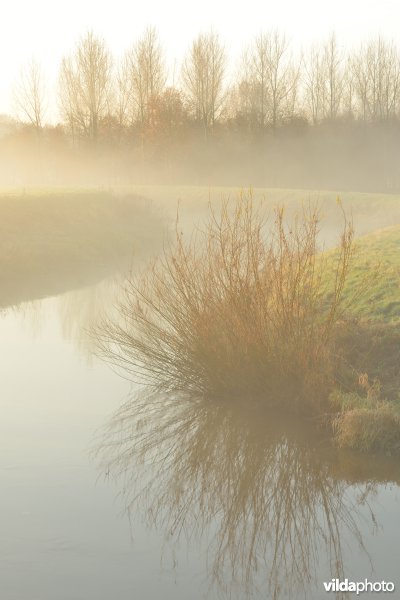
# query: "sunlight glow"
47 30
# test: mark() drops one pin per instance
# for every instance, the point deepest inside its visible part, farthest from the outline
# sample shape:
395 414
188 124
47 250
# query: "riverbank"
56 240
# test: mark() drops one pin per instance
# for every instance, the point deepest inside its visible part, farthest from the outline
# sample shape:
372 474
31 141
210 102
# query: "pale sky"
48 29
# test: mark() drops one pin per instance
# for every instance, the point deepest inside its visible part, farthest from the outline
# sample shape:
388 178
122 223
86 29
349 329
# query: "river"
202 502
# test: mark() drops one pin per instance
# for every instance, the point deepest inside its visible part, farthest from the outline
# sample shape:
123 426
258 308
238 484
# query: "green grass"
372 290
377 257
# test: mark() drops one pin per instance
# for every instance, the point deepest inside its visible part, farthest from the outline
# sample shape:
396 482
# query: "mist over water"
115 489
120 492
345 157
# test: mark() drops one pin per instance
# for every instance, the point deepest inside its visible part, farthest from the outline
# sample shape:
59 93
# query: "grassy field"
52 241
55 239
369 211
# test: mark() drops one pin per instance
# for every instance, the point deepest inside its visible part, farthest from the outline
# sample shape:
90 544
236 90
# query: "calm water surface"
229 507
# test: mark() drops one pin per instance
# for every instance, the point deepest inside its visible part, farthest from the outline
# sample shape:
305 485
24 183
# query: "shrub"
239 310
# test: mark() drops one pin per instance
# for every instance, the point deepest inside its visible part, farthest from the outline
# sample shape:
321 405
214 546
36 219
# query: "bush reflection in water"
270 499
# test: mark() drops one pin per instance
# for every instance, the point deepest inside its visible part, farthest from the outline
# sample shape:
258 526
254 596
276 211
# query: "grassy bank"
368 398
55 240
377 256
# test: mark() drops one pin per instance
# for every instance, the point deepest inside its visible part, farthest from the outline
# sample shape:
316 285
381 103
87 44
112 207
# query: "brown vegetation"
248 312
369 428
238 311
367 401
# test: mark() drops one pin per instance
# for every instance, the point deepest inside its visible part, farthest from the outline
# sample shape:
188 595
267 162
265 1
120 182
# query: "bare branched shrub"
244 308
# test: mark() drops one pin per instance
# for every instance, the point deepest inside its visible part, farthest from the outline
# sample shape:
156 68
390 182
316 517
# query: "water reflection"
73 314
81 309
272 500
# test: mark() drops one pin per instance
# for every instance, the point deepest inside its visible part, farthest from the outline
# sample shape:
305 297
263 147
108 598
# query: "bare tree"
324 81
29 95
376 71
272 78
254 88
334 78
349 99
240 103
123 99
69 99
86 86
203 74
314 84
284 77
146 75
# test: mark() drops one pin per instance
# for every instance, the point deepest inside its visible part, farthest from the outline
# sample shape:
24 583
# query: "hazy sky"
48 29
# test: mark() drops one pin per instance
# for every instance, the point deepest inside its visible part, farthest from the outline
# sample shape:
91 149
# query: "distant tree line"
271 86
131 106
